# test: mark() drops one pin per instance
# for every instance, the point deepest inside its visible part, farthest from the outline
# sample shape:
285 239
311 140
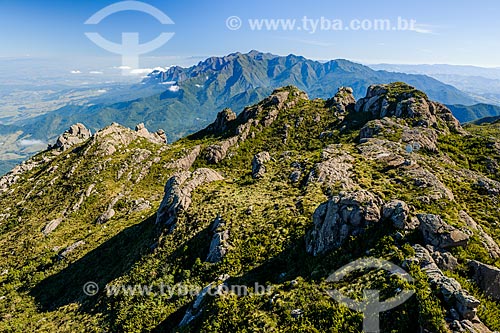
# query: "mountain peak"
401 100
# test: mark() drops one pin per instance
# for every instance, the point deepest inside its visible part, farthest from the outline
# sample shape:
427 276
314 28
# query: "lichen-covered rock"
440 234
340 217
217 152
178 193
258 164
218 247
64 253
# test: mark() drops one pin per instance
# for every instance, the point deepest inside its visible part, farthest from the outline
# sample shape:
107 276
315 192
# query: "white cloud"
96 72
30 142
76 72
174 88
140 71
423 29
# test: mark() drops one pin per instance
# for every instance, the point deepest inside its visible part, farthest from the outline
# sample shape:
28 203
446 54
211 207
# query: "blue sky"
453 32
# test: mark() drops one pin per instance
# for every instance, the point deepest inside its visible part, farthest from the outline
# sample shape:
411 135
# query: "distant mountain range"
476 112
184 100
480 82
193 95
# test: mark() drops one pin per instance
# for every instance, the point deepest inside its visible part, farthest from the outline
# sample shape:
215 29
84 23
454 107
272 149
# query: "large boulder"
221 122
75 135
487 278
258 164
453 294
178 193
335 168
440 234
487 241
343 101
404 101
340 217
398 213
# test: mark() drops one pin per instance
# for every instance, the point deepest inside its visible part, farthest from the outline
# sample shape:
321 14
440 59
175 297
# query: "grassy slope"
45 294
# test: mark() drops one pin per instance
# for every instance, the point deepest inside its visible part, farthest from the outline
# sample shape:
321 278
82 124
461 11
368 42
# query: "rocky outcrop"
140 205
444 259
487 278
185 162
218 245
488 242
340 217
222 121
456 297
64 253
440 234
51 226
260 115
75 135
157 137
258 164
178 193
343 101
217 152
398 213
334 169
403 101
110 212
116 137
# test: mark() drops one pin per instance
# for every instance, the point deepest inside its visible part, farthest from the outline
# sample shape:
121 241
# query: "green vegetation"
267 220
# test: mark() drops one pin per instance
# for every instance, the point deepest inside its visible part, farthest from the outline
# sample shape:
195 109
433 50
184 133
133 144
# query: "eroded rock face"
221 123
157 137
341 217
75 135
218 247
398 213
343 101
258 164
488 242
178 193
438 233
51 226
487 278
335 168
185 163
403 101
453 294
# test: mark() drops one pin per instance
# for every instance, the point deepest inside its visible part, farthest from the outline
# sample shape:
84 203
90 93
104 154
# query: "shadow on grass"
105 263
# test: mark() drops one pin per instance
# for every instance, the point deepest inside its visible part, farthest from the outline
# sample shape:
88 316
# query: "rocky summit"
120 231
